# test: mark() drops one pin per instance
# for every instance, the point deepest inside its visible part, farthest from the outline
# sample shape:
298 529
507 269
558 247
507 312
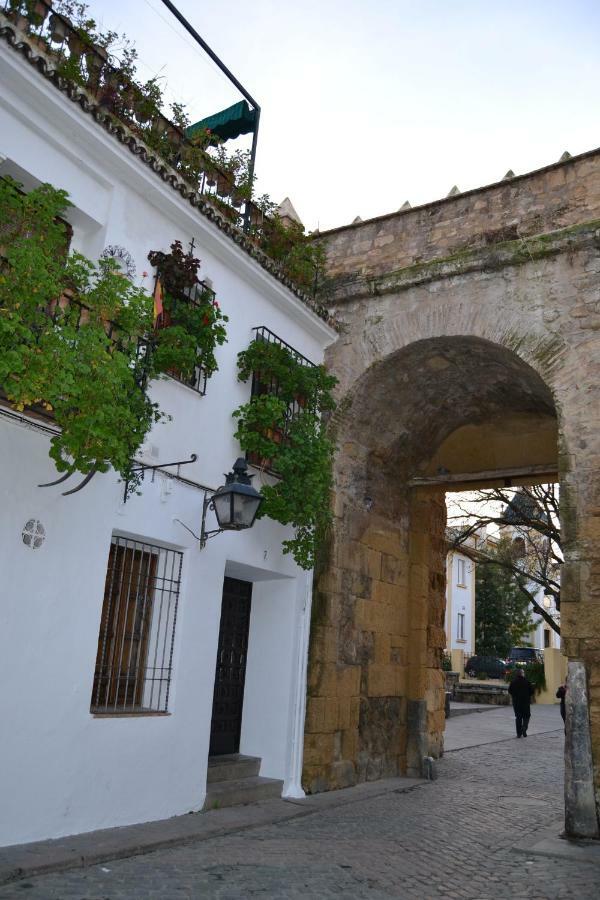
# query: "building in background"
460 603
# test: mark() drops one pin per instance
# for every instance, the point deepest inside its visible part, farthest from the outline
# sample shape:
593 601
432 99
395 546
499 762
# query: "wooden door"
230 674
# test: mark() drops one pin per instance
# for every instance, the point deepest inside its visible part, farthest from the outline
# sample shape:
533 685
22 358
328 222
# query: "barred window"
137 628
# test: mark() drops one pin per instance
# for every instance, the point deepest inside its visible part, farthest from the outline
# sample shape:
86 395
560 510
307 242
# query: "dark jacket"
561 694
521 690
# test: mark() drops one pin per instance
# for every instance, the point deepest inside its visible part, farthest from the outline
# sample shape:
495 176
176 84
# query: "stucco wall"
64 770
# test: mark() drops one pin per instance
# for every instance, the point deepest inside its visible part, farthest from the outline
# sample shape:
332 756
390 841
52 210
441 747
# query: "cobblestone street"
455 837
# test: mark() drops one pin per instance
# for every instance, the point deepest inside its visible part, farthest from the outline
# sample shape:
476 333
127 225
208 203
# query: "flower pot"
58 28
160 125
224 185
174 135
38 13
77 45
95 60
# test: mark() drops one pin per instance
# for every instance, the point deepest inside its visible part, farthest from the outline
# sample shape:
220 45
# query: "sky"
368 103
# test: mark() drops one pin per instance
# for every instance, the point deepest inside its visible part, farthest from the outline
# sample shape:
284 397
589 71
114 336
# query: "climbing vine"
283 429
77 339
191 324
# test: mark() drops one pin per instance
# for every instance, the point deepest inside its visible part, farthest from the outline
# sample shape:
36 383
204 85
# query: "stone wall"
555 197
455 317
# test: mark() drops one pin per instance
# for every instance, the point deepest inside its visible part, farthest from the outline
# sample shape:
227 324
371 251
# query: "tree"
529 518
502 616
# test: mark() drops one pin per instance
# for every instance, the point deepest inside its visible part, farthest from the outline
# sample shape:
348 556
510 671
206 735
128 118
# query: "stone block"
350 743
394 569
383 680
383 648
318 749
385 540
580 619
436 637
323 645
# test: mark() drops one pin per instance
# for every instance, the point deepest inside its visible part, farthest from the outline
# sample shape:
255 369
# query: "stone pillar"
581 819
427 636
374 674
580 587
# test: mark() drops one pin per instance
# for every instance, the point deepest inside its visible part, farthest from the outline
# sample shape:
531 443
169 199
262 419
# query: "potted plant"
37 12
95 59
58 27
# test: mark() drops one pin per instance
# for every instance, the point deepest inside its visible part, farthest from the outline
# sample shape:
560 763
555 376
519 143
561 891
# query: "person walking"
561 694
521 690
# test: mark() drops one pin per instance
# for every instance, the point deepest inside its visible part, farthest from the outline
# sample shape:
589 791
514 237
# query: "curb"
91 848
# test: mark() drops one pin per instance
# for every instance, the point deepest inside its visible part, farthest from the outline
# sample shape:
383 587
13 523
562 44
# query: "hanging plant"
70 337
192 324
283 425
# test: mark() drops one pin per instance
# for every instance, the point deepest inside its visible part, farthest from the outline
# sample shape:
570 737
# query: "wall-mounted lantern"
235 503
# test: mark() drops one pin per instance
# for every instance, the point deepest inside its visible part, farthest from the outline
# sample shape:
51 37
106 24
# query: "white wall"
460 600
63 770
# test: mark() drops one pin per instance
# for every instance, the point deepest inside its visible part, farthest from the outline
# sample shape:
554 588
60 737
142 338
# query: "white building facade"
72 758
460 603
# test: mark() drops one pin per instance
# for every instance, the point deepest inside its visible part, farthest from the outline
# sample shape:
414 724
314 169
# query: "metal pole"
199 40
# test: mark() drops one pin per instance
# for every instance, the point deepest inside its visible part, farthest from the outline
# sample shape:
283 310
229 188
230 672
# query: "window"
137 628
546 638
197 296
460 627
269 385
461 576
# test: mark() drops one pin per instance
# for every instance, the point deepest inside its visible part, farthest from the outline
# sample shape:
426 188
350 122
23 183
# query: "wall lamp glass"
235 503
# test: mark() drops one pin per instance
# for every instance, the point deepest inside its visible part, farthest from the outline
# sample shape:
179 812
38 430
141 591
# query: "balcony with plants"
104 67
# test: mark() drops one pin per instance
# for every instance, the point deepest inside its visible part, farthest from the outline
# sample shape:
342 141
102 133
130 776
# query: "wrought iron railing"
265 383
199 294
73 56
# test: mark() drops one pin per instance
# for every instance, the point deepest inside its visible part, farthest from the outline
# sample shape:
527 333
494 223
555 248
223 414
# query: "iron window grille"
266 384
199 294
134 661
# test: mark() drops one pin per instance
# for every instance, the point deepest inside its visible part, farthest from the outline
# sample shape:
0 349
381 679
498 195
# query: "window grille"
263 384
199 294
137 628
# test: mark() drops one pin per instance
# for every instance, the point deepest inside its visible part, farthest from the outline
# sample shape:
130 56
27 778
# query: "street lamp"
235 503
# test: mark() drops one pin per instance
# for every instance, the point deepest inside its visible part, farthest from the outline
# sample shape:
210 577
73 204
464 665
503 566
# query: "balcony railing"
197 295
73 56
264 383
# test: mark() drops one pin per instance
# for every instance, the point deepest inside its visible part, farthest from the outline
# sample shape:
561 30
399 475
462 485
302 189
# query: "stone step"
232 767
237 793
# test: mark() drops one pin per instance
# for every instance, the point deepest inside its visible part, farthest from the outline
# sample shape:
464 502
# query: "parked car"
492 666
523 656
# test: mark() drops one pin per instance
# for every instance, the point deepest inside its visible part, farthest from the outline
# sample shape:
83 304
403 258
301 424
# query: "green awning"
229 123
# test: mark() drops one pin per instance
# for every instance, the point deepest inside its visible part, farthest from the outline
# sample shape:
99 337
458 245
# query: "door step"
234 781
232 767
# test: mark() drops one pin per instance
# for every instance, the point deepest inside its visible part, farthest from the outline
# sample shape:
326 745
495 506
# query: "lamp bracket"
139 470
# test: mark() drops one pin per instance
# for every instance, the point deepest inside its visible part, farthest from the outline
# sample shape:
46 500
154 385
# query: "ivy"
284 428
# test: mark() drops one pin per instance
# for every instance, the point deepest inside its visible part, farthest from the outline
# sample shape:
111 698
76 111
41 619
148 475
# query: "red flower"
215 304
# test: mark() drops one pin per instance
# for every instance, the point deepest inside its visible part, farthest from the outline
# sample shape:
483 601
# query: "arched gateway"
469 355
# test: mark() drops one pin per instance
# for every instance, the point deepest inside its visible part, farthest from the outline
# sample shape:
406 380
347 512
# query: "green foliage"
536 674
295 446
299 256
502 616
76 356
190 331
446 662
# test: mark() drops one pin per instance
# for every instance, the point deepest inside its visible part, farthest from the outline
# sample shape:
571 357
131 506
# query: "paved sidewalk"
485 830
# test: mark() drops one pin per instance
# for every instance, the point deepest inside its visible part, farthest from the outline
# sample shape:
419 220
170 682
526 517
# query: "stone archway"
479 355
